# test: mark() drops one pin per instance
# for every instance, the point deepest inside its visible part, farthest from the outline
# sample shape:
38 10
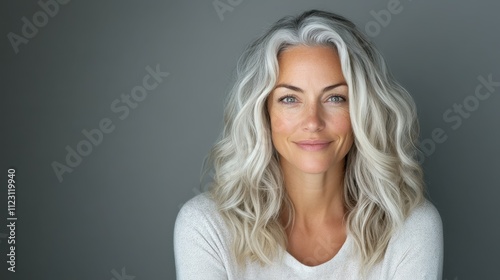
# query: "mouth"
313 145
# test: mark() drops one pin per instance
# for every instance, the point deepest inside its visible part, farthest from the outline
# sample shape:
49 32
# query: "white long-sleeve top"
202 250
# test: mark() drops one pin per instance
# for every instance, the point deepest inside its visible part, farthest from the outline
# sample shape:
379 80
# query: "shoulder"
201 240
200 218
424 219
200 227
199 210
424 216
416 248
423 227
201 203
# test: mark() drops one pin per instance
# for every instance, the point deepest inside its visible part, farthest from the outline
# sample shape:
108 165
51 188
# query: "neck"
318 199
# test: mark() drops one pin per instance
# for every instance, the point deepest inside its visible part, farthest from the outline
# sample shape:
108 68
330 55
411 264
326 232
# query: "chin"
313 167
311 164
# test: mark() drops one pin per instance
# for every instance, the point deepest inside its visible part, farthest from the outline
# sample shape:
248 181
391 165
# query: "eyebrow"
294 88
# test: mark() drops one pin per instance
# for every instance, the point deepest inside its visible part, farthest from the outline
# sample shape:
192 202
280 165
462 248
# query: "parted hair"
383 179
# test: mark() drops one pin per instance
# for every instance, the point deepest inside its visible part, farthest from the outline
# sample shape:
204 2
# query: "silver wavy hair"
383 180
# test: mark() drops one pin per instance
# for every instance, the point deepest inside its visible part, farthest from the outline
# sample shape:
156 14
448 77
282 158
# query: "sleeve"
197 246
422 253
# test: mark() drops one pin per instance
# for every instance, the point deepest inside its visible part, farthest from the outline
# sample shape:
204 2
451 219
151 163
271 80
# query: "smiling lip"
313 145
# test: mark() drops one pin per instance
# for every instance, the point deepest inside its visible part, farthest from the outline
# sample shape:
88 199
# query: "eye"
287 99
336 99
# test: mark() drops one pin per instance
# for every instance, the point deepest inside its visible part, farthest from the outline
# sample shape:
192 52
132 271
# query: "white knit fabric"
202 250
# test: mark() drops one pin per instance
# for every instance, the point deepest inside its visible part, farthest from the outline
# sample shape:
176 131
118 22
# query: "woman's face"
309 110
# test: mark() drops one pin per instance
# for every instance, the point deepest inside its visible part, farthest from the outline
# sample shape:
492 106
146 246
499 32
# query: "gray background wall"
112 217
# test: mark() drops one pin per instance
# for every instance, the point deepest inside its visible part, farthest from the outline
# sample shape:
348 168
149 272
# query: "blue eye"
287 99
336 99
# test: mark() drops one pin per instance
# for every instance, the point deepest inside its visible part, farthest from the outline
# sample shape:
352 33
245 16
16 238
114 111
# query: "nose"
314 118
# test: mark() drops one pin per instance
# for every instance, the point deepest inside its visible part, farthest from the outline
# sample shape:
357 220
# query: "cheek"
281 124
342 124
281 130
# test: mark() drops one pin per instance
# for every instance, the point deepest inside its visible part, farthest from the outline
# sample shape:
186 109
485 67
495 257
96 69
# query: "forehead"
299 63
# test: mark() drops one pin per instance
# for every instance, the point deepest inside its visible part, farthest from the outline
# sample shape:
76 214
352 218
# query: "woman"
315 173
